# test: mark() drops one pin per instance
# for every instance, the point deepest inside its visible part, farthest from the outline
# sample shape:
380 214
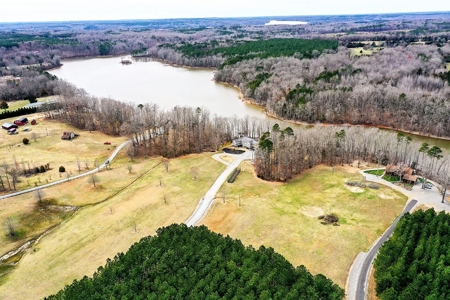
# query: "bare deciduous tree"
39 196
166 163
79 164
93 179
10 226
194 172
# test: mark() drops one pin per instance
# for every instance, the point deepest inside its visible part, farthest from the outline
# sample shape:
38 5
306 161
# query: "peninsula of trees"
195 263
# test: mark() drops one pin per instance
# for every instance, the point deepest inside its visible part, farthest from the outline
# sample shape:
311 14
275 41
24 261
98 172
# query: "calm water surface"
168 86
154 82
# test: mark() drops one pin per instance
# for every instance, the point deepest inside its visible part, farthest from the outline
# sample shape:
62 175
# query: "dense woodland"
195 263
403 87
415 262
295 72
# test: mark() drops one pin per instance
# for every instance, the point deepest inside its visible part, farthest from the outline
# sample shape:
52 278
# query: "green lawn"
375 172
391 178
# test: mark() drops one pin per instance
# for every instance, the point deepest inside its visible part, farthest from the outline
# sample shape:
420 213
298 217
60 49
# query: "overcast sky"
67 10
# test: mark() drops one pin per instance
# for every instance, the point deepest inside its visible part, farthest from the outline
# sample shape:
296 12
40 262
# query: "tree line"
401 88
183 262
414 263
284 153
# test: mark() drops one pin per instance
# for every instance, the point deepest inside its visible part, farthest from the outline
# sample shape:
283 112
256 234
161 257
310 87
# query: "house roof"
410 177
394 168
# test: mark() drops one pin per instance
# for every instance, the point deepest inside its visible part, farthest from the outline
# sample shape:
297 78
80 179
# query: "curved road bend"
207 200
109 160
364 273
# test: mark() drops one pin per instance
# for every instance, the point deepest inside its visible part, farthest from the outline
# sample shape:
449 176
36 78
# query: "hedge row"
18 112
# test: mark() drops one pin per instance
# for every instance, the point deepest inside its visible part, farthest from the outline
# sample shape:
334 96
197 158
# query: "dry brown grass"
227 158
273 214
371 293
49 148
83 243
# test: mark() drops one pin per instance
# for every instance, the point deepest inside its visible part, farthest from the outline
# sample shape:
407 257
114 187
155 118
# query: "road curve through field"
367 263
207 200
108 161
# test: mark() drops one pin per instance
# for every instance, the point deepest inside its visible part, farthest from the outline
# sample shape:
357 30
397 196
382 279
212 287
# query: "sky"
70 10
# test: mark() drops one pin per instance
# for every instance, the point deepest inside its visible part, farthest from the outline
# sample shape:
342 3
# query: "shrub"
36 170
25 141
42 169
62 169
233 175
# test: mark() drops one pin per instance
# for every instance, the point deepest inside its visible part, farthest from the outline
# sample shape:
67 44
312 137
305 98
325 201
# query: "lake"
155 82
148 81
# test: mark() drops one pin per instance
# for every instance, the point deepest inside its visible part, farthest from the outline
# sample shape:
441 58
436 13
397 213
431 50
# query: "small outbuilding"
9 126
68 136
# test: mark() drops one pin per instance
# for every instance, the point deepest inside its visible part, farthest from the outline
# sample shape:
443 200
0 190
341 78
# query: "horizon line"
239 17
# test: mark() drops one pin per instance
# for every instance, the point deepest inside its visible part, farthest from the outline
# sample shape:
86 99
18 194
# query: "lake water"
155 82
166 85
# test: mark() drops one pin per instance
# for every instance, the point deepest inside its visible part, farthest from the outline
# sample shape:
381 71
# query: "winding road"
359 272
370 256
207 200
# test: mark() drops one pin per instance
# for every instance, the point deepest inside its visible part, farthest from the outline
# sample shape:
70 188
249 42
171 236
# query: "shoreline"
163 61
263 109
301 123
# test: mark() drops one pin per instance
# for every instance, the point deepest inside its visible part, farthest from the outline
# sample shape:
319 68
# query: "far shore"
252 102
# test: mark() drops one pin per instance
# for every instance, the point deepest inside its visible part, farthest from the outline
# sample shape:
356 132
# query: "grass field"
49 148
360 51
84 242
284 216
375 172
14 105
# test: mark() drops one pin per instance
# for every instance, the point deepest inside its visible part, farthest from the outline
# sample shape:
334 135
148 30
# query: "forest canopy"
194 263
415 262
260 49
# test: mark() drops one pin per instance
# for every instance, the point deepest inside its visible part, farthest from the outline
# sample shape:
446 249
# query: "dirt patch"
354 189
423 207
227 158
384 196
311 211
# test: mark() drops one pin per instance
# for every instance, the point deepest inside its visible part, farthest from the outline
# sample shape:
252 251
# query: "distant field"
13 105
284 216
360 51
98 232
448 66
